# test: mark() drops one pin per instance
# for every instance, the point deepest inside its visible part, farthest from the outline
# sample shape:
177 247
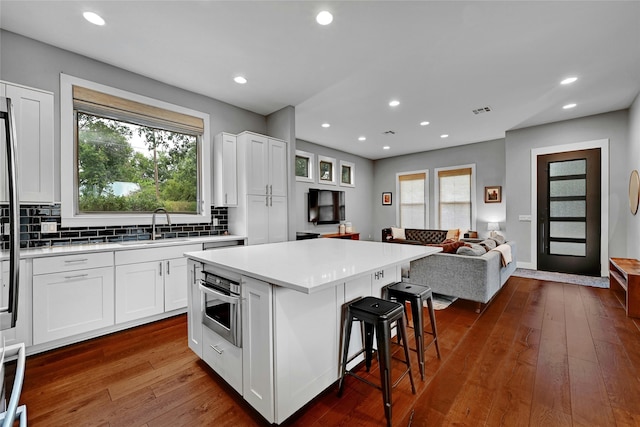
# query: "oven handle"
220 295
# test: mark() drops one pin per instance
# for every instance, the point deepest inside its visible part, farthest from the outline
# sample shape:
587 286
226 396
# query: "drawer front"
223 357
134 256
63 263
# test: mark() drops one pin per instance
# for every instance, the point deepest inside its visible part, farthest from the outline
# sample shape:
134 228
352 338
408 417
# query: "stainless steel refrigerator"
10 411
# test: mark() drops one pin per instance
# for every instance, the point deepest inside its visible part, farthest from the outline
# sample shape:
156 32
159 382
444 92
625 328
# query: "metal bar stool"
416 295
376 314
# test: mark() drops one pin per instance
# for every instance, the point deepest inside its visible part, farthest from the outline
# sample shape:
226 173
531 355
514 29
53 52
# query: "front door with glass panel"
569 212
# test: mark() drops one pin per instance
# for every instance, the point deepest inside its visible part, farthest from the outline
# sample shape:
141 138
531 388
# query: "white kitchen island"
293 294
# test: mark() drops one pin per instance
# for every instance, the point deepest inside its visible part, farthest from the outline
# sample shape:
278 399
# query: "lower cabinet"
151 281
139 290
224 357
71 303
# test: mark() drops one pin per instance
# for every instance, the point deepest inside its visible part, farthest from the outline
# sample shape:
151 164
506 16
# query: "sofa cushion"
398 233
489 244
426 236
472 249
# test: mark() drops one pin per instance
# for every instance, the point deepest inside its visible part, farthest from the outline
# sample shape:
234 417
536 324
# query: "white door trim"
603 145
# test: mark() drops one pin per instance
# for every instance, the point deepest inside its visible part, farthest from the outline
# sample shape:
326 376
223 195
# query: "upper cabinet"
261 211
33 110
266 164
225 170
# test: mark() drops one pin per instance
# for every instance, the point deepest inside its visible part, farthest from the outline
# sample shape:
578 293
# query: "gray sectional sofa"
475 278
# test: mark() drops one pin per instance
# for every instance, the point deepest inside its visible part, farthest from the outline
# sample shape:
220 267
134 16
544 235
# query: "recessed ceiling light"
424 123
394 103
240 80
386 147
326 125
324 18
362 138
444 135
94 18
569 106
568 80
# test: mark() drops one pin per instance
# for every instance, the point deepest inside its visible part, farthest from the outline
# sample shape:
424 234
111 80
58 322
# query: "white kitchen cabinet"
151 281
72 294
225 178
224 357
194 318
139 290
258 346
33 110
261 213
22 331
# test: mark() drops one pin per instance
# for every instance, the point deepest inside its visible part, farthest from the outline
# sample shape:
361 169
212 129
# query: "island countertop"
312 265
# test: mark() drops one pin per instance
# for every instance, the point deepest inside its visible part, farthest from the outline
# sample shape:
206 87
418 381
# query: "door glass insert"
571 230
568 188
571 167
567 248
563 209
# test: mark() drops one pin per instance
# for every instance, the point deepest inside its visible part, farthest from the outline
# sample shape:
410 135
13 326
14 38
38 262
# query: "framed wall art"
493 194
386 198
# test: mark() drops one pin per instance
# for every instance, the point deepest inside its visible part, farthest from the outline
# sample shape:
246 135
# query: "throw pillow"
472 249
398 233
448 247
453 234
489 244
498 238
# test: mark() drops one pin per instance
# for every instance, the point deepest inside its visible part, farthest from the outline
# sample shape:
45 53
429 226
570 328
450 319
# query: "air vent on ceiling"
389 132
482 110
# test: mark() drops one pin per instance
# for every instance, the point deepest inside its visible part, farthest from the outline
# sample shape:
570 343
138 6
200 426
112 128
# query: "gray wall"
358 199
633 162
489 158
35 64
519 143
282 125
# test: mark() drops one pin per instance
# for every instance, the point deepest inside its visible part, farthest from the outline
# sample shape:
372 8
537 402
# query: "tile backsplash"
32 217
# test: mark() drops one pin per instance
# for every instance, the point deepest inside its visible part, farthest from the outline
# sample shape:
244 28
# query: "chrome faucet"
153 222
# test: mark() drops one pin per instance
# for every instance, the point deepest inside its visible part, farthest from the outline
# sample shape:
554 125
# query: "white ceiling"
441 60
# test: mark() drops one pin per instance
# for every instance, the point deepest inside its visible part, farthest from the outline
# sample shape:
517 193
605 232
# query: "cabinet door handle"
270 200
271 189
216 349
266 189
168 268
266 201
77 276
69 261
225 198
160 267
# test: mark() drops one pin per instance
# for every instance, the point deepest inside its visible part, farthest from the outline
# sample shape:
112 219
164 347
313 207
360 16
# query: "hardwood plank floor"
541 354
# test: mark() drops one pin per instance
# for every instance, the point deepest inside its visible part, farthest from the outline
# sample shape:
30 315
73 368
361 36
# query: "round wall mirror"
634 194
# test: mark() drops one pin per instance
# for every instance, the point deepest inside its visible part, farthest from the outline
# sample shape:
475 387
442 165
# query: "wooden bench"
624 275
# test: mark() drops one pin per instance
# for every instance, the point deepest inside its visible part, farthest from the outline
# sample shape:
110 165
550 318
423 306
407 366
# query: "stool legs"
346 331
434 330
418 327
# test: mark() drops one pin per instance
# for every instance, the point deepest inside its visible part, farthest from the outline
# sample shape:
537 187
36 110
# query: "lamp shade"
493 226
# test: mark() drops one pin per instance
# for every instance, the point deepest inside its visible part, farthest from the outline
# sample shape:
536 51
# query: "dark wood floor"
541 354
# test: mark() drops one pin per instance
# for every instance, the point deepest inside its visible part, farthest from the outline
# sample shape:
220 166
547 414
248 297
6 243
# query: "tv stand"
350 236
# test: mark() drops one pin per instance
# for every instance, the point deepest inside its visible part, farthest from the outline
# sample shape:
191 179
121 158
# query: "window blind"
455 198
412 200
114 107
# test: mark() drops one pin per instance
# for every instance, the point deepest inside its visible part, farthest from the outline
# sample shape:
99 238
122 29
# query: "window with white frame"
456 190
127 155
413 199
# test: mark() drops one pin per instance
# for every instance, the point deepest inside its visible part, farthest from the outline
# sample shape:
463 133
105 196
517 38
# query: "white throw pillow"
398 233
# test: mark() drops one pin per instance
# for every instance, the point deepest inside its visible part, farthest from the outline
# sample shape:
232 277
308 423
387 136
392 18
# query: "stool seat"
416 295
376 314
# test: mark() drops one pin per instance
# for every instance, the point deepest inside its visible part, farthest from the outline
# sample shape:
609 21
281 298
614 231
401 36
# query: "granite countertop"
312 265
121 246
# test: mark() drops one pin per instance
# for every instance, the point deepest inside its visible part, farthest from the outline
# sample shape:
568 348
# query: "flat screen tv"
326 206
